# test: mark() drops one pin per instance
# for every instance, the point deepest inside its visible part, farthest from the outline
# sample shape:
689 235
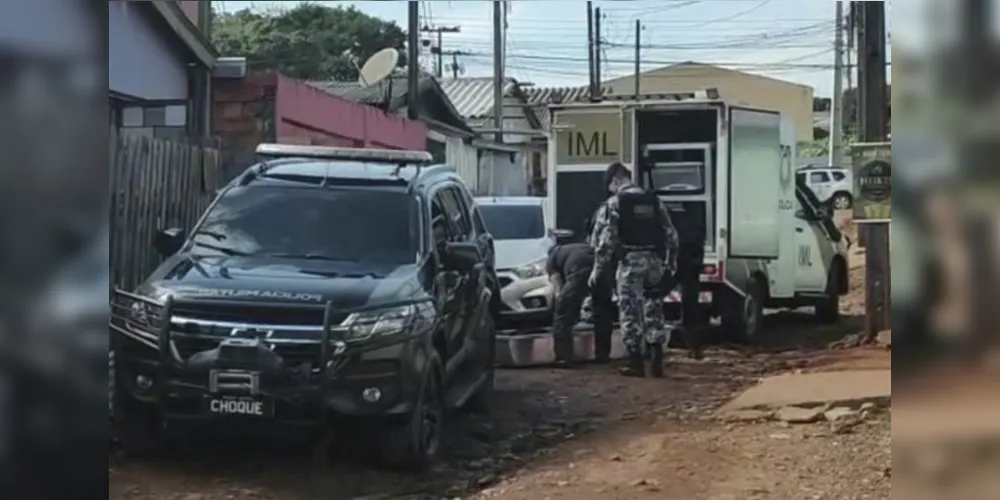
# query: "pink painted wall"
306 115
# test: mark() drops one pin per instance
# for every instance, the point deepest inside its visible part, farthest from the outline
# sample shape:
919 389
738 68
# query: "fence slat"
154 183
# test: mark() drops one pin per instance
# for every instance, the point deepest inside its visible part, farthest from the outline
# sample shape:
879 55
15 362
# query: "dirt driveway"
578 434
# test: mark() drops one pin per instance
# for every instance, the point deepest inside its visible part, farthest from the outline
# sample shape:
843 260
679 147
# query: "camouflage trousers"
641 317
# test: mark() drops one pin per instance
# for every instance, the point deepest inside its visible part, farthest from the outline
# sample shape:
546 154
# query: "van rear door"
755 183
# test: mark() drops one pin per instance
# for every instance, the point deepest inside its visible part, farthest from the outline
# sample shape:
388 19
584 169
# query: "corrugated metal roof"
543 96
473 97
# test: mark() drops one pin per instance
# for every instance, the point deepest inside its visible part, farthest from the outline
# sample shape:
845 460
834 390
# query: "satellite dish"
378 67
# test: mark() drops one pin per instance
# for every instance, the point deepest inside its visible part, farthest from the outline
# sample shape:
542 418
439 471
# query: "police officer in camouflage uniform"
634 227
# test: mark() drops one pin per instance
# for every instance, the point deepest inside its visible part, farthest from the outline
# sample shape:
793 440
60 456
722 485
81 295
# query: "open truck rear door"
755 177
586 139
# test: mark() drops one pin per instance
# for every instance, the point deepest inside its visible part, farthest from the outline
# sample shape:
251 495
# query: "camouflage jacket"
604 238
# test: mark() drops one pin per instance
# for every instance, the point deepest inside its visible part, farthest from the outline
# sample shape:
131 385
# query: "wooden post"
872 94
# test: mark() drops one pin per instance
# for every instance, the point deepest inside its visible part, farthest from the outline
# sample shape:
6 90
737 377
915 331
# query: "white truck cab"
768 241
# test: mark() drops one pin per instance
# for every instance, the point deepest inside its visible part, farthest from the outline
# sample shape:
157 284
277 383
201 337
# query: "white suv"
522 238
832 185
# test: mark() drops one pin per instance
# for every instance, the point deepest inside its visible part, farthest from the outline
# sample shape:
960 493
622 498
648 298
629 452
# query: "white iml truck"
769 242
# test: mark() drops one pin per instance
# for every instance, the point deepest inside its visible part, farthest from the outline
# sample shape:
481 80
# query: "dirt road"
573 434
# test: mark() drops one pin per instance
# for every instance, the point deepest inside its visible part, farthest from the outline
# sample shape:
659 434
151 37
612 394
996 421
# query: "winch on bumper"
193 368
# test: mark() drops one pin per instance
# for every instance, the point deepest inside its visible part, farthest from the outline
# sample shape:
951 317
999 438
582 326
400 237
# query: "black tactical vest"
639 226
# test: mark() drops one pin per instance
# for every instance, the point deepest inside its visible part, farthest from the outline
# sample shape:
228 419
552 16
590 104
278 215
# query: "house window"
536 165
155 119
437 150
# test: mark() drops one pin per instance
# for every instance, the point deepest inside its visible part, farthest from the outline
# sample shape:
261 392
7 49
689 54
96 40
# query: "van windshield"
330 224
514 222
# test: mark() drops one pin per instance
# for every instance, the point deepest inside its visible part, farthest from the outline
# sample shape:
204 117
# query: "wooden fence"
154 184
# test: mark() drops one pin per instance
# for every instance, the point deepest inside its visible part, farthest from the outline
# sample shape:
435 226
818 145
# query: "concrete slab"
843 388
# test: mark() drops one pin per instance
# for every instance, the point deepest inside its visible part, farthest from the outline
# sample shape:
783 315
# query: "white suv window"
838 176
818 177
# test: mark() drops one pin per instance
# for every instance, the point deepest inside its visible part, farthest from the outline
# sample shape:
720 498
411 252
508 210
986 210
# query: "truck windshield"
514 222
351 225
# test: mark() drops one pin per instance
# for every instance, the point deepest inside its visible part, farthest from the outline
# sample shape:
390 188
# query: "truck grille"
253 313
293 354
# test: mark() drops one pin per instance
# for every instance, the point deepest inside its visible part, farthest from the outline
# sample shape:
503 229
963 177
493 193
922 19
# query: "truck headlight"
532 270
380 322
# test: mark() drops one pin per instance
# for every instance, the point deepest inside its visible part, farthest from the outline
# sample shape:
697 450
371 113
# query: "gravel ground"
576 433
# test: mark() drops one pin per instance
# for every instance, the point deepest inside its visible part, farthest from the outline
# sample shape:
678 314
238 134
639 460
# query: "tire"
841 201
136 427
744 320
416 443
482 401
828 310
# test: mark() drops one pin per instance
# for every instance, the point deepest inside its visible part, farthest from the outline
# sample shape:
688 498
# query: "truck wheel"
482 401
841 201
745 318
135 426
828 309
415 444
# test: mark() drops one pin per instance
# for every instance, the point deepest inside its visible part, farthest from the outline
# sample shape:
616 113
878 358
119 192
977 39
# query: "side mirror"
169 241
461 256
561 235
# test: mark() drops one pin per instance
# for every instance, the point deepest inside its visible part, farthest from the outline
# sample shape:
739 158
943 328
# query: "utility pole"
454 67
597 54
850 26
413 60
837 102
590 50
874 124
438 49
638 57
498 78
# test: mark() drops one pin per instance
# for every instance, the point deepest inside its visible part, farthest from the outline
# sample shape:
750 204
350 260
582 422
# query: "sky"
547 39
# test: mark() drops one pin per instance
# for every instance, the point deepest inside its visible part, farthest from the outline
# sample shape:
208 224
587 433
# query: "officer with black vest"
633 227
690 262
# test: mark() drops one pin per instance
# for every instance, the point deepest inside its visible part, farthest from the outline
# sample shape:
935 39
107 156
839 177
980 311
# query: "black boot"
635 367
656 360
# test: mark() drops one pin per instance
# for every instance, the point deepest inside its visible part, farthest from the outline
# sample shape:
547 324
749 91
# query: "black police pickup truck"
322 287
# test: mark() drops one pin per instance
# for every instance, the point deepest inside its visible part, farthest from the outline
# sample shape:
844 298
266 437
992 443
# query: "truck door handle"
799 230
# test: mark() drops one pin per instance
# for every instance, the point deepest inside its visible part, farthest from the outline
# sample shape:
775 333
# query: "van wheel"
828 309
415 444
482 401
745 317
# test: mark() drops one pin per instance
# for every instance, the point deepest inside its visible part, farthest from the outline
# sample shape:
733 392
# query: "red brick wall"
307 115
274 108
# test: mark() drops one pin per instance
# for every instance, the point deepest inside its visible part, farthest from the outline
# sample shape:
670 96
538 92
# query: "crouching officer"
635 226
568 268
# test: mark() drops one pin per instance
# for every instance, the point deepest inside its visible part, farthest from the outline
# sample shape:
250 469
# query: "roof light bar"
335 153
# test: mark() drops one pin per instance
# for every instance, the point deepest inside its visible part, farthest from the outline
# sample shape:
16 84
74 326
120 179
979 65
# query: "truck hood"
512 254
256 279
